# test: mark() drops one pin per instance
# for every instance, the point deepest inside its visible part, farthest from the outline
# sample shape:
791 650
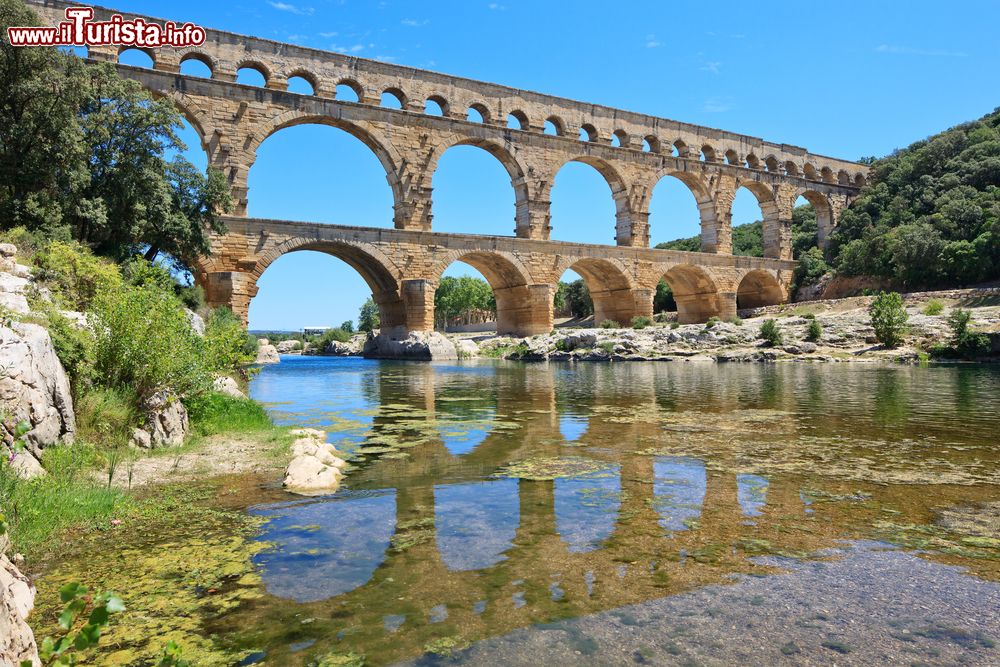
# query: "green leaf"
71 591
115 605
71 612
88 636
99 616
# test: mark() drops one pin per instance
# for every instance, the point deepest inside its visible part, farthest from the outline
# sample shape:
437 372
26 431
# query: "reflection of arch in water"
572 427
678 490
751 491
346 542
587 508
475 522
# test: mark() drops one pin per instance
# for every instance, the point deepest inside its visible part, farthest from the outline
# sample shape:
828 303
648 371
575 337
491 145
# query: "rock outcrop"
228 386
315 468
266 353
417 345
351 348
34 390
14 281
289 346
17 599
166 422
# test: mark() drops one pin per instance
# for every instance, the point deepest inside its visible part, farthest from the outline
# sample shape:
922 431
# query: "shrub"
967 343
107 416
675 325
712 321
736 321
143 340
607 346
331 335
75 276
814 331
74 346
809 316
641 322
769 332
888 318
933 307
610 324
228 346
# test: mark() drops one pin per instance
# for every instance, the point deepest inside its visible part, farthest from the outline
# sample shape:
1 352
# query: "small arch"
517 120
478 113
809 171
827 175
758 288
252 73
843 177
588 132
733 158
791 169
197 64
650 144
680 149
348 90
555 126
137 57
771 164
436 106
393 98
302 82
752 161
620 139
707 153
695 293
860 180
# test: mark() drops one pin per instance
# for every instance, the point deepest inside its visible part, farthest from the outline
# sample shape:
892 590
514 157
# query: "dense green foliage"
369 318
769 333
213 413
814 330
577 299
749 239
930 215
84 155
888 318
456 296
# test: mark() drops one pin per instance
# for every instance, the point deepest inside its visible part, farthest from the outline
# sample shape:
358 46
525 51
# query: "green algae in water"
549 468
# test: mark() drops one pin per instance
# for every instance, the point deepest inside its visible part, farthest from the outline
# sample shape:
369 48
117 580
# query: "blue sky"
849 79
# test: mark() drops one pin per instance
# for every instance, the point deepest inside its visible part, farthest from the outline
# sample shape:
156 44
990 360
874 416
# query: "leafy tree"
559 298
228 346
663 300
770 333
811 268
369 318
888 318
455 296
578 299
347 326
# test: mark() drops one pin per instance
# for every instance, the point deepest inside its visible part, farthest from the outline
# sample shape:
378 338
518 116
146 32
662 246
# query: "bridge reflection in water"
429 541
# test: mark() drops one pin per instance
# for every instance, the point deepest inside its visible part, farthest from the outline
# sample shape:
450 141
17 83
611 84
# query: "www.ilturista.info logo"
79 29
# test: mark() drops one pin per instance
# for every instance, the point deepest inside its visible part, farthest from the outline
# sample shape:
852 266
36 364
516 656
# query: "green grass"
933 307
215 413
40 509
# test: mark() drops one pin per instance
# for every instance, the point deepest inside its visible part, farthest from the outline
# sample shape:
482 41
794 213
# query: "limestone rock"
33 389
196 321
142 439
17 599
288 346
307 475
414 345
266 353
228 386
13 291
166 420
351 348
466 348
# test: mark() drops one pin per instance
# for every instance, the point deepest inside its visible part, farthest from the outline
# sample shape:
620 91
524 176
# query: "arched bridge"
533 135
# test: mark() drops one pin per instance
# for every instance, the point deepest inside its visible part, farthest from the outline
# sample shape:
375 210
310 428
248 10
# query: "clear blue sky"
848 79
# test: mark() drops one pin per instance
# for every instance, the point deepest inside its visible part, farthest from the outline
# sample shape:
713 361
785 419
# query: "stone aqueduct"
403 265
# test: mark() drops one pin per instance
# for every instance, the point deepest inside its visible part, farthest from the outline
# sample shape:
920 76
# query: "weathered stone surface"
315 467
17 599
466 348
266 353
351 348
33 389
142 439
228 386
166 420
196 321
13 292
288 346
413 345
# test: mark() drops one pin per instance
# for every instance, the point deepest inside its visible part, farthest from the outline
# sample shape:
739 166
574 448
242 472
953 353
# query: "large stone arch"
510 162
523 308
777 232
697 294
824 213
611 287
758 288
619 193
713 238
373 139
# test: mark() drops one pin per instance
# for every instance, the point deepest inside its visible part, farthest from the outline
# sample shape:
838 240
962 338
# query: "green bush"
933 307
74 346
675 324
641 322
330 336
143 340
814 331
967 343
712 321
75 275
607 346
228 346
809 316
212 413
888 318
107 416
770 333
736 321
610 324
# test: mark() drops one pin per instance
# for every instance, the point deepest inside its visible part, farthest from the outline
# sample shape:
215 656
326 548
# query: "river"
670 513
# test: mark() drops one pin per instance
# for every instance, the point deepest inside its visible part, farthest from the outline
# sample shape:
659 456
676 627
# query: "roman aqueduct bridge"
403 265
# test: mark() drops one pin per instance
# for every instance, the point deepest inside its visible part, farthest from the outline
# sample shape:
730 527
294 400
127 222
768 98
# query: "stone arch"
708 153
397 93
378 145
589 133
681 148
611 288
201 57
483 111
149 52
521 118
441 102
558 124
697 294
774 236
824 213
351 84
652 143
306 76
759 288
510 163
809 171
257 66
752 161
860 180
619 192
827 174
522 308
622 137
843 177
711 235
791 169
733 158
771 164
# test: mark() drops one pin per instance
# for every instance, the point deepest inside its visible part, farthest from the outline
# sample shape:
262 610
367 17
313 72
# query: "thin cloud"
652 42
292 9
347 49
712 66
328 35
496 7
414 23
908 51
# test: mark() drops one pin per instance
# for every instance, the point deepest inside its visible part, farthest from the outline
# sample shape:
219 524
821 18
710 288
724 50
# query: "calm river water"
667 513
